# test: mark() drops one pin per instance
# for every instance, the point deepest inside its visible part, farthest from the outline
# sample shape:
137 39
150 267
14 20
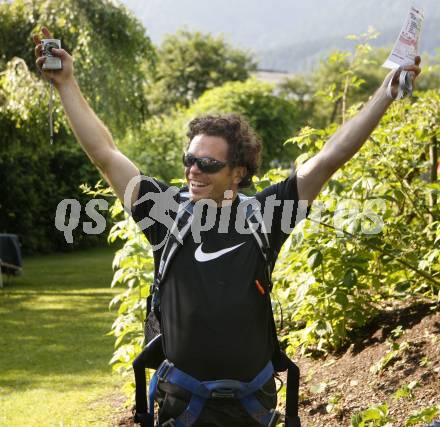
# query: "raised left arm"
346 141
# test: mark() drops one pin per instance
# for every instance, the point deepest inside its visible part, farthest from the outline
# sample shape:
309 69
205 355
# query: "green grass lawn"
54 351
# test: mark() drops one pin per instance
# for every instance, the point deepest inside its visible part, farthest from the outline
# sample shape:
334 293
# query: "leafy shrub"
378 416
375 416
159 141
134 272
424 415
332 276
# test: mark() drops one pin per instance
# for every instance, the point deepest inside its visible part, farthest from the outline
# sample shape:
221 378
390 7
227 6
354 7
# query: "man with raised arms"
216 318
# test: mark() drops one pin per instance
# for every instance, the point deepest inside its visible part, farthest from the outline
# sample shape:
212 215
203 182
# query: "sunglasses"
205 164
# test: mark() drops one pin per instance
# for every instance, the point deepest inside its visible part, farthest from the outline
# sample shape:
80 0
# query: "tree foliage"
134 272
35 175
111 51
299 89
191 63
342 79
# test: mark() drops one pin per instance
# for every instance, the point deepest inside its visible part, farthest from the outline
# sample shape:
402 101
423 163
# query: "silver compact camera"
52 62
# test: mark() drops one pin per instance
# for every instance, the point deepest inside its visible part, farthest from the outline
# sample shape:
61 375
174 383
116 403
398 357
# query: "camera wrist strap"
51 111
405 87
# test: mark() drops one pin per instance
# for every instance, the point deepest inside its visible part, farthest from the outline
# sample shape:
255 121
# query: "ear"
238 174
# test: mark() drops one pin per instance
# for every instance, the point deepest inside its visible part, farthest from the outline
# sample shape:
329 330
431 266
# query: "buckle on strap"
223 393
164 370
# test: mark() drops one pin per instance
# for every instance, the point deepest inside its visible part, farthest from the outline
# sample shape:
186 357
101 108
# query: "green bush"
157 146
332 276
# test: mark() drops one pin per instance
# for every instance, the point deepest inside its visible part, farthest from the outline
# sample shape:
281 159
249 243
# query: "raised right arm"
93 136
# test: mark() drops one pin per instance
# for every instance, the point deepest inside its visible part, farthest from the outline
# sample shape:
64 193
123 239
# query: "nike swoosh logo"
203 256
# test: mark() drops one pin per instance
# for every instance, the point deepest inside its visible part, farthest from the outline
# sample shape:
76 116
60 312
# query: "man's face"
211 185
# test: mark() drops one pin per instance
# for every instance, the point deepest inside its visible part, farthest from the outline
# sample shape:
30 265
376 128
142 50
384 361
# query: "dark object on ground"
10 256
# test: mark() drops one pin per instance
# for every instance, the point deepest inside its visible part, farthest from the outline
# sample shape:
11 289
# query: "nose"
194 169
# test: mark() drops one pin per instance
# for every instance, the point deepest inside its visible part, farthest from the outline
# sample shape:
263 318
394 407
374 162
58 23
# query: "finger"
414 68
36 39
46 33
396 75
40 61
60 53
47 74
38 49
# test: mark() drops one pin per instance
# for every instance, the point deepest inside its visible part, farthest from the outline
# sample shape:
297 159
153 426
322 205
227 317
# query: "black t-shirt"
215 319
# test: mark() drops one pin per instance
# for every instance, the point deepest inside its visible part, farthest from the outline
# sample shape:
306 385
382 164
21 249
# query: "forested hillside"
287 35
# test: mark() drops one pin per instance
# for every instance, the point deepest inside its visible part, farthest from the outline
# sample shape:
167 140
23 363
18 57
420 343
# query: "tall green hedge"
35 175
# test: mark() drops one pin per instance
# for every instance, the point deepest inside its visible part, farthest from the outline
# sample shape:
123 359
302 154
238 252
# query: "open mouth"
197 185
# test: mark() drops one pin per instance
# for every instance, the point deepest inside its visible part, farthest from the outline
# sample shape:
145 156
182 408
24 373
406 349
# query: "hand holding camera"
56 66
55 63
51 61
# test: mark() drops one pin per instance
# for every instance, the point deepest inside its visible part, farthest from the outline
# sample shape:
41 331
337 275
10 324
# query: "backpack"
153 356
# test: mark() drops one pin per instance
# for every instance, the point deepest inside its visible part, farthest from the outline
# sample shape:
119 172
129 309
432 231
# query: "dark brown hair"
243 143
